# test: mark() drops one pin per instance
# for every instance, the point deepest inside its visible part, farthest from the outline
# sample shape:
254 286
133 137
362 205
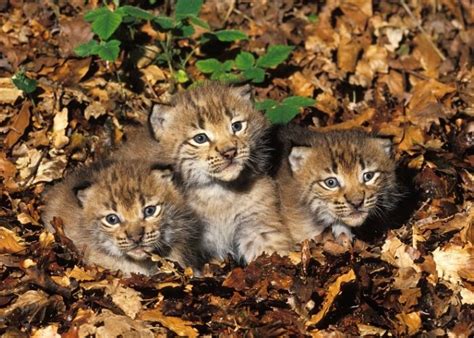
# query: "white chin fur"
230 173
355 221
137 254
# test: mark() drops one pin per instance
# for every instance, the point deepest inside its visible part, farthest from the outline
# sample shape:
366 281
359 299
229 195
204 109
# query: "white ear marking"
82 192
244 92
386 145
297 158
159 119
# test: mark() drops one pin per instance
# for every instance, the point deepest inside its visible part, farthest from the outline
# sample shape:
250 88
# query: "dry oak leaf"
424 107
127 299
357 12
348 50
73 32
360 119
410 323
80 274
369 330
72 71
49 170
453 259
108 324
10 242
18 125
301 84
327 103
60 123
177 325
7 169
333 290
398 254
428 56
8 92
374 61
95 110
50 331
31 305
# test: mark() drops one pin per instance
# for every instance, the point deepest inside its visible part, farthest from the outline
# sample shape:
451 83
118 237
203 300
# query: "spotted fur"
216 141
335 179
87 198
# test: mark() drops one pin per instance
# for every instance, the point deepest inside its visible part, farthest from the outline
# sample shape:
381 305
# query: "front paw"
342 234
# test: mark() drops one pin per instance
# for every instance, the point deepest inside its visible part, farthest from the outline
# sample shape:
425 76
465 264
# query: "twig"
410 13
229 11
235 10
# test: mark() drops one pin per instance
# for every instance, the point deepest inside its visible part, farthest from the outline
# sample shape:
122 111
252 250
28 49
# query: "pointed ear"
82 191
298 157
244 92
163 171
386 145
160 118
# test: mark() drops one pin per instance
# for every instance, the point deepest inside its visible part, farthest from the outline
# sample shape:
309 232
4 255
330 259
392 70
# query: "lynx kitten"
335 179
121 211
216 141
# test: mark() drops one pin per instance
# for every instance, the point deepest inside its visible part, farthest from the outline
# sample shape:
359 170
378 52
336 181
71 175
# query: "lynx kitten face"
130 217
216 133
122 212
344 177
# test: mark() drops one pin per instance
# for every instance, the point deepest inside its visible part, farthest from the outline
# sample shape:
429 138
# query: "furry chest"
219 209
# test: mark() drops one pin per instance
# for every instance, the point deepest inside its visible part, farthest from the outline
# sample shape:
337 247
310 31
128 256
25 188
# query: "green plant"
245 67
23 82
105 23
286 110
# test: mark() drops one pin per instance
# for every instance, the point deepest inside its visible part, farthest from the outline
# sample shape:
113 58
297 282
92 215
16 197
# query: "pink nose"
229 153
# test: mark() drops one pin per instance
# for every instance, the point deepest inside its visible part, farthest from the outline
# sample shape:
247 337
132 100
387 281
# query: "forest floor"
391 67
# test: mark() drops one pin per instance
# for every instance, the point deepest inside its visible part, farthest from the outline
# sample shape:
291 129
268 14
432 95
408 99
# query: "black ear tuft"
80 191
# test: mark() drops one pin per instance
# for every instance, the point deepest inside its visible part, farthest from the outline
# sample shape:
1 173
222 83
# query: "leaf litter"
394 68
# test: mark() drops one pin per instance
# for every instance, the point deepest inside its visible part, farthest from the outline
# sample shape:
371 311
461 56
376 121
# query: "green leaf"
229 78
87 49
95 13
298 101
313 18
187 8
24 83
164 22
106 24
227 66
135 12
244 60
109 50
185 31
275 55
230 35
266 104
255 74
282 113
209 66
199 22
181 76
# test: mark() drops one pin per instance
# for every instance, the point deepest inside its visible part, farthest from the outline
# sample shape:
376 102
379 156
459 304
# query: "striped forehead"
206 112
343 157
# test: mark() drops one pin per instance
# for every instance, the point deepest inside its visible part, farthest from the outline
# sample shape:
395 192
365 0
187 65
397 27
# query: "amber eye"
149 211
112 219
331 182
368 176
201 138
237 126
